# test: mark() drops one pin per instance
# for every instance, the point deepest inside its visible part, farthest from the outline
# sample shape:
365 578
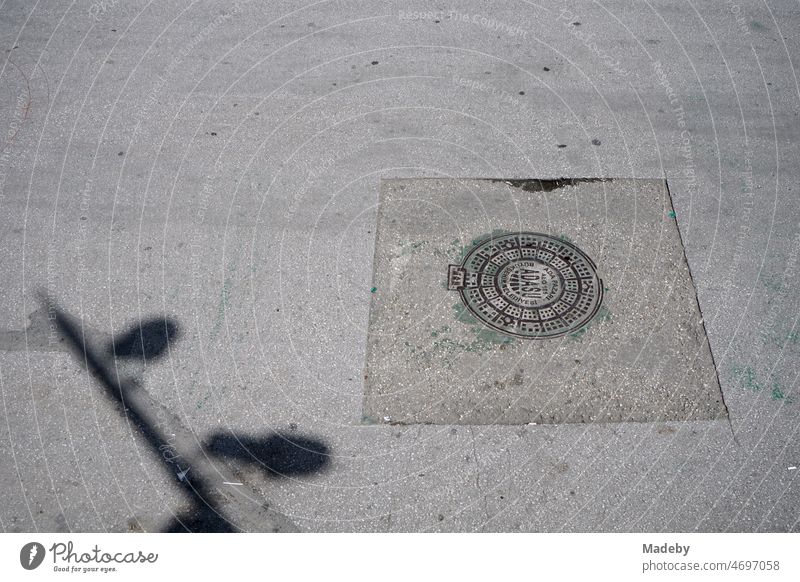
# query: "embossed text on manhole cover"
533 301
528 285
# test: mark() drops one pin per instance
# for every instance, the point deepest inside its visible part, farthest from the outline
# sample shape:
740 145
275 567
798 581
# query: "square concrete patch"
642 354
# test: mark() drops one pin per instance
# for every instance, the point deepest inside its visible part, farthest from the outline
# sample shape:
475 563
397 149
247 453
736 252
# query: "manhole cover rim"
578 324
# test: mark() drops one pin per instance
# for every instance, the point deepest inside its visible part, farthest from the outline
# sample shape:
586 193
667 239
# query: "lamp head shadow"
146 341
280 454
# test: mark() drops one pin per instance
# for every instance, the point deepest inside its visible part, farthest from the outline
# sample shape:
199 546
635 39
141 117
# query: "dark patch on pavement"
548 185
280 454
148 341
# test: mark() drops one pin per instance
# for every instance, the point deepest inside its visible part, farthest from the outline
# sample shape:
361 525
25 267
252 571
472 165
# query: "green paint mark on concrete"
773 284
202 402
756 25
603 314
209 391
671 214
411 348
191 387
411 248
441 330
777 393
449 345
224 299
373 290
565 238
780 340
481 343
748 379
485 338
463 315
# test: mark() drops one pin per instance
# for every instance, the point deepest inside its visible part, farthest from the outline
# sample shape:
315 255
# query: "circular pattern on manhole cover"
528 285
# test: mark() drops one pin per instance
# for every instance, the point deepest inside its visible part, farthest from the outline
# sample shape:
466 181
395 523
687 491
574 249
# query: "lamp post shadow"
186 457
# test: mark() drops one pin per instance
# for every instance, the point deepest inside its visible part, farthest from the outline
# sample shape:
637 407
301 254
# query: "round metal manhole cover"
528 285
